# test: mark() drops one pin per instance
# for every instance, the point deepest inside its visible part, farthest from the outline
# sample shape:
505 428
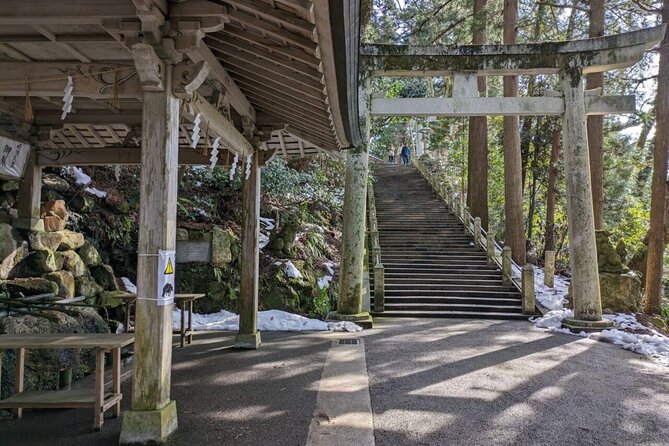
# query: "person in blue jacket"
405 154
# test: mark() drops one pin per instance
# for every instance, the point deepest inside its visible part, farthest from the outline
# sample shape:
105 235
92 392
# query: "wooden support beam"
30 196
97 156
77 12
266 12
219 125
274 30
237 99
249 336
52 118
475 106
276 82
66 46
92 80
153 416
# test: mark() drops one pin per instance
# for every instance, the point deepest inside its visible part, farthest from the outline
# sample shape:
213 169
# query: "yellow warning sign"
169 269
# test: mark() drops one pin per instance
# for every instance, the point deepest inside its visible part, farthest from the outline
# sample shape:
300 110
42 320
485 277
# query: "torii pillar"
580 214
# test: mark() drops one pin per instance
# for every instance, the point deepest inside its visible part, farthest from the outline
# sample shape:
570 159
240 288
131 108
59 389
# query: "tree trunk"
656 239
551 192
535 167
513 187
477 157
596 123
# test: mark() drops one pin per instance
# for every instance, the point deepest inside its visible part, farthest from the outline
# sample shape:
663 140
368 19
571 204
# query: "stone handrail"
512 273
375 247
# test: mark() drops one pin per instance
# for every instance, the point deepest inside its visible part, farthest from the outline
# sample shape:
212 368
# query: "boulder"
86 286
104 276
609 259
89 255
621 293
221 253
65 282
51 195
55 183
40 240
53 223
9 240
54 208
7 200
71 241
182 234
44 261
111 299
31 286
73 263
11 265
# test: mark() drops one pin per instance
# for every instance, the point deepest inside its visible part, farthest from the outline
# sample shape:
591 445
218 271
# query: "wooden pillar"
153 416
349 303
30 197
249 336
581 223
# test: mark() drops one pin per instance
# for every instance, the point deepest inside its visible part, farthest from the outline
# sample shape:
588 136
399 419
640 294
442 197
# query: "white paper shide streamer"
117 172
214 153
233 168
195 135
248 166
67 97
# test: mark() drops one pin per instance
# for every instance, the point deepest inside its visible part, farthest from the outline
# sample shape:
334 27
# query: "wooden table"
187 299
96 398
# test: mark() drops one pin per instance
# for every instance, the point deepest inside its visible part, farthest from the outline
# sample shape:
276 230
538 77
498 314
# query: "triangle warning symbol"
169 269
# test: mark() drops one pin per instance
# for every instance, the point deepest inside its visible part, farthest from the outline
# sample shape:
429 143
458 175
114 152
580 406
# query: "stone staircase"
432 269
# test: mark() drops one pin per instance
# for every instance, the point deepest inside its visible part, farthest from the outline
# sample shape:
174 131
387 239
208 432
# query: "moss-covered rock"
182 234
89 254
55 183
8 186
73 263
104 276
65 282
86 286
221 253
40 240
30 286
44 261
7 200
621 293
71 240
9 240
16 263
82 203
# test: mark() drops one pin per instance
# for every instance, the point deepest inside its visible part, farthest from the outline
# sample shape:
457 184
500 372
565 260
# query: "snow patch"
649 343
268 223
128 285
79 176
324 281
97 192
329 266
289 269
271 320
263 240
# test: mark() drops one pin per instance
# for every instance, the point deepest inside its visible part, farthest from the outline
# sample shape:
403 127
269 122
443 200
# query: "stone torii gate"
571 61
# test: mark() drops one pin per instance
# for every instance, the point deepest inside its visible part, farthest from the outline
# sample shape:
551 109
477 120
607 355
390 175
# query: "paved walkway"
431 382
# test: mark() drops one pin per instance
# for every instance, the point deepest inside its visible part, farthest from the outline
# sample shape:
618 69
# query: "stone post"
580 215
490 246
529 297
465 219
506 266
249 336
349 304
154 416
477 232
549 268
30 196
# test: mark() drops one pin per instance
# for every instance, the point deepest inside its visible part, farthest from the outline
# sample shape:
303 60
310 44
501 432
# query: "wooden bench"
96 398
187 299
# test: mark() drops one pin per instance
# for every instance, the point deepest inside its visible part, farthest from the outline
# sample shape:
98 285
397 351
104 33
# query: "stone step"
452 314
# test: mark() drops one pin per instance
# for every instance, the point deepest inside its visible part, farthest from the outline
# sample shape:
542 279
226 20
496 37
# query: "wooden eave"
278 54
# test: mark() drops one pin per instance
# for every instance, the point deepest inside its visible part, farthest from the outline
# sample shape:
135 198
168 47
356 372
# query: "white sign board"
166 263
13 157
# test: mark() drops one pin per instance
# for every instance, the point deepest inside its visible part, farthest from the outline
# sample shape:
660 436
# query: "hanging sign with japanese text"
13 157
166 262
